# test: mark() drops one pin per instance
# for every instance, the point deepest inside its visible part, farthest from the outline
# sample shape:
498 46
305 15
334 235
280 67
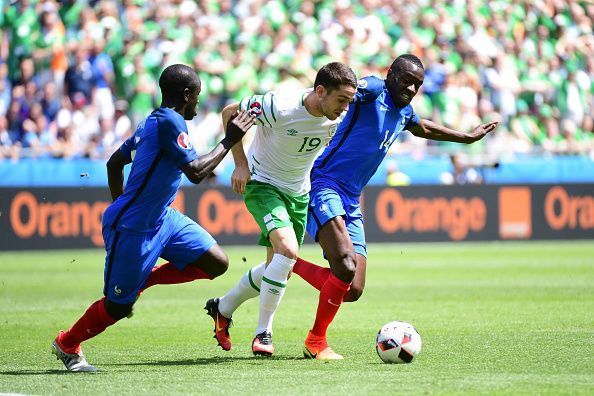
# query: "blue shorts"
131 256
325 203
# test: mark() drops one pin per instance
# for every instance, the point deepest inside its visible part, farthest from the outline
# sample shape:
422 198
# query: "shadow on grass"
38 372
214 360
206 361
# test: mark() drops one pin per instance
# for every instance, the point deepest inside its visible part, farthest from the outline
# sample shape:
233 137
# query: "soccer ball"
398 342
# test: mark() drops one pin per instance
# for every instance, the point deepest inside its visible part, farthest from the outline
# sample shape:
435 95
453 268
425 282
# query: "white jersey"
287 141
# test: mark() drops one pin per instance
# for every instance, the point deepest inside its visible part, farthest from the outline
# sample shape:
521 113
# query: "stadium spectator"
5 88
123 124
538 53
79 76
461 173
49 101
395 177
7 148
103 79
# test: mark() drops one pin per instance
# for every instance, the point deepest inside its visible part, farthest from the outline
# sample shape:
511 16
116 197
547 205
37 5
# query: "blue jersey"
157 149
362 140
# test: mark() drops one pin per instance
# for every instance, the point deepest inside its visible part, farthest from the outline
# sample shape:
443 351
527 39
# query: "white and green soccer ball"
398 342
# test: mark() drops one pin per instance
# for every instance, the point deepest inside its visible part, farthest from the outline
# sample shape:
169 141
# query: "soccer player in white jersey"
293 127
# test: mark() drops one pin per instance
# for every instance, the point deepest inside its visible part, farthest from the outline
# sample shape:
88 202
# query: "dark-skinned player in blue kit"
139 226
380 111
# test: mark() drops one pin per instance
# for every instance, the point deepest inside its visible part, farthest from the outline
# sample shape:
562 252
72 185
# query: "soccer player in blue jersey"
139 226
380 111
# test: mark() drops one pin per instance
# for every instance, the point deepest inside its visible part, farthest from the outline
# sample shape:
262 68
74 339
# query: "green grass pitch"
495 318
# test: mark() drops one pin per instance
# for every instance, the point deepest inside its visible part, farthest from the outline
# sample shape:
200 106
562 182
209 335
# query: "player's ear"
186 95
320 91
390 74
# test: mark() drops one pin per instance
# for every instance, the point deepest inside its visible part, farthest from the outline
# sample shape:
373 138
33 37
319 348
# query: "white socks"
247 287
272 289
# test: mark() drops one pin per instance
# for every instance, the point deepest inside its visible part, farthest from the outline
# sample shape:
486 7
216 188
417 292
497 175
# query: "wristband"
228 143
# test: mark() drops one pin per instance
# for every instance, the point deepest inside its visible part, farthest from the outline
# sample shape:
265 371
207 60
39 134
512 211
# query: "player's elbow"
228 111
193 172
194 178
114 169
116 162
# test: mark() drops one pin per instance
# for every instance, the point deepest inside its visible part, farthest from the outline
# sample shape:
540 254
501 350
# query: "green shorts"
272 208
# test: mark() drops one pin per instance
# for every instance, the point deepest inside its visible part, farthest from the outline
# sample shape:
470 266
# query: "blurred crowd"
76 76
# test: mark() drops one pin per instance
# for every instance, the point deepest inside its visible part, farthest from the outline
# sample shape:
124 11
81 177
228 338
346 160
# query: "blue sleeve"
127 147
104 64
175 141
414 120
368 89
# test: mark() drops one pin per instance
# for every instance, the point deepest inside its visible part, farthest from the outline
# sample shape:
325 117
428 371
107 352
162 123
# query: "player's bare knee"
118 311
353 294
218 263
345 265
288 250
221 267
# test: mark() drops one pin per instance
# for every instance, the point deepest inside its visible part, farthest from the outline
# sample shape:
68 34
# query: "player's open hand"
238 125
239 178
480 131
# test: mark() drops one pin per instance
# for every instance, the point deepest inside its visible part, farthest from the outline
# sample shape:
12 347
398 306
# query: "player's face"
336 101
404 84
190 110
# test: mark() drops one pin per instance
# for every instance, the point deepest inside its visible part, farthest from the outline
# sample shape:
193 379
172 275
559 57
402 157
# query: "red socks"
331 296
169 274
96 319
311 273
93 322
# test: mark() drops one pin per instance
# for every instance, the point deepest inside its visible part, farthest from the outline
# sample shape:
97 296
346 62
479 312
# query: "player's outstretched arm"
115 173
241 173
430 130
201 167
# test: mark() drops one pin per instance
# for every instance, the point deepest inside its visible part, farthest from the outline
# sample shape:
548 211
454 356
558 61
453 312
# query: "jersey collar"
388 100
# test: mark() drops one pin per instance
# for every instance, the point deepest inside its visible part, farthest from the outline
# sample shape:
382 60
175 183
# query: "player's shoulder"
168 118
273 106
369 88
290 100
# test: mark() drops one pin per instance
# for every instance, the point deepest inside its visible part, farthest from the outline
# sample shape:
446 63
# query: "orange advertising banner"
60 218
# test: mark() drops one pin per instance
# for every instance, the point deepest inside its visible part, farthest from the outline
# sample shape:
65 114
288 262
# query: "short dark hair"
334 75
403 59
175 79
